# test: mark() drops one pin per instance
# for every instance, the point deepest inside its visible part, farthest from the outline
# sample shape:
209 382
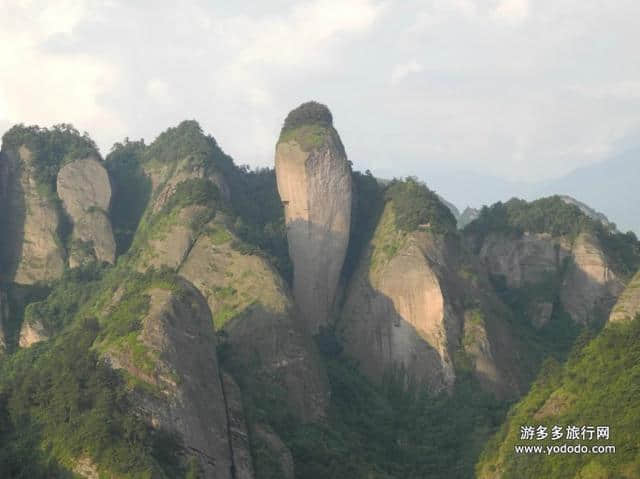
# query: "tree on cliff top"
51 148
311 125
309 113
416 207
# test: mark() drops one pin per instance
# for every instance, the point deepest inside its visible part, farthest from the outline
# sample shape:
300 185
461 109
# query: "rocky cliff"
57 194
197 332
529 259
396 315
597 383
314 183
187 228
175 214
250 303
580 268
405 312
84 188
32 332
33 251
174 355
628 305
239 440
591 286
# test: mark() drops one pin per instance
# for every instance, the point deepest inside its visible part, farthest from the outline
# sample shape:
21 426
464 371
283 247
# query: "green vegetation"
554 339
68 295
195 191
547 215
384 214
367 205
51 149
131 190
310 113
59 402
132 289
376 431
554 216
418 208
386 241
254 213
19 297
219 235
598 385
312 137
260 216
311 126
199 192
187 140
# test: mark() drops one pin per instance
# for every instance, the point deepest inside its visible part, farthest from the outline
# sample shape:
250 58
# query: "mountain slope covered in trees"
190 356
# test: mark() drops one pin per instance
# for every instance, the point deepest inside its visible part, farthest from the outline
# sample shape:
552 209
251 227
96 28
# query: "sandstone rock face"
32 250
405 311
177 334
166 178
85 190
478 346
172 236
529 259
238 431
397 315
314 183
85 467
249 301
628 305
590 288
31 333
170 244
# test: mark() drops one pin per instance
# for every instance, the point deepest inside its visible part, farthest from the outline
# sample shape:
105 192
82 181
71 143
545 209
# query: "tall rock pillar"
314 183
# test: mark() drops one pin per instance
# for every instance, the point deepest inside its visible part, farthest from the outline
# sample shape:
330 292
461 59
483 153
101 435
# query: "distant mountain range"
608 186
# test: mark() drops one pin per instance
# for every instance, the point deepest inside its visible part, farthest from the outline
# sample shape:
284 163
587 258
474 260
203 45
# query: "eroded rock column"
314 183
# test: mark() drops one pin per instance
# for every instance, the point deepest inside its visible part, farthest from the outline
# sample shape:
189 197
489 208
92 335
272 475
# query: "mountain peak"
309 113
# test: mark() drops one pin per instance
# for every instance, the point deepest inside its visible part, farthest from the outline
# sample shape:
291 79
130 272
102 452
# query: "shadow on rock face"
318 255
13 224
384 342
276 351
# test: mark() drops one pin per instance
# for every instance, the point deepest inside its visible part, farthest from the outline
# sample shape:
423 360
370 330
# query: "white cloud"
511 11
622 90
303 35
515 88
401 71
42 87
158 91
303 41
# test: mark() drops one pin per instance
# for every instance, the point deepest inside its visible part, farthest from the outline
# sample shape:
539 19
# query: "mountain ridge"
428 331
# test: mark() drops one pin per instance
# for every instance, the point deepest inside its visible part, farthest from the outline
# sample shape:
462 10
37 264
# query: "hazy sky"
520 89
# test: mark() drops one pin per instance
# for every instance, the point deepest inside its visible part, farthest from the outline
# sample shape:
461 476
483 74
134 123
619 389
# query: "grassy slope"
598 385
